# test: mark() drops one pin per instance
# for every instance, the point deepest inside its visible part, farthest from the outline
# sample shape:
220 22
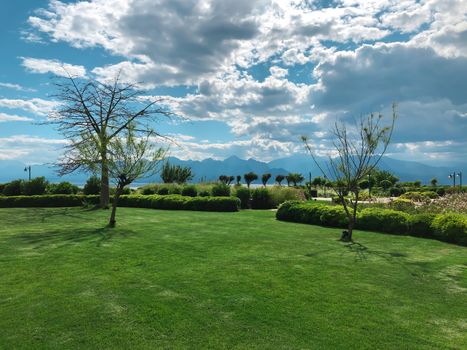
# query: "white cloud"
30 148
37 65
16 87
13 118
37 106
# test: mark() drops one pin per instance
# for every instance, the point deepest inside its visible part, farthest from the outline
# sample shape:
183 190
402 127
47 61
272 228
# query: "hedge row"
444 227
177 202
55 200
172 202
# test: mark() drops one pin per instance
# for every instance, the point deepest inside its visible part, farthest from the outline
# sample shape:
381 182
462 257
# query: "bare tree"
357 155
131 158
95 113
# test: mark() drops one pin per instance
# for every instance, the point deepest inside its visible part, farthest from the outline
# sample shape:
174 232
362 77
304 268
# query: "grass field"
195 280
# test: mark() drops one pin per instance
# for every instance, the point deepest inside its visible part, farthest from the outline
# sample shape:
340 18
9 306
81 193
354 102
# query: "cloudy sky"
248 76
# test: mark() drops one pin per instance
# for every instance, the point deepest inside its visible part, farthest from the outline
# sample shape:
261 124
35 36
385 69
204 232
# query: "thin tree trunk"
105 190
112 220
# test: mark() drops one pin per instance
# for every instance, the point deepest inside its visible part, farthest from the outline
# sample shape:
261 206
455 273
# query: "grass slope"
172 279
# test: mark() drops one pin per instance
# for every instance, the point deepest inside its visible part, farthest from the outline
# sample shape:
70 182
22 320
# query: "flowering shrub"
451 203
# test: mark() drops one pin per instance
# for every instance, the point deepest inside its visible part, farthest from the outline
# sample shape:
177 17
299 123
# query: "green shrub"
280 194
244 195
384 220
402 204
177 202
333 216
450 228
92 186
430 194
190 191
62 188
261 199
441 191
416 196
149 189
2 187
220 190
396 191
13 188
204 193
421 225
175 189
163 191
57 200
34 187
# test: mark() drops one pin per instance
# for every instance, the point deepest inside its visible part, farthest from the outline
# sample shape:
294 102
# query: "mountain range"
210 169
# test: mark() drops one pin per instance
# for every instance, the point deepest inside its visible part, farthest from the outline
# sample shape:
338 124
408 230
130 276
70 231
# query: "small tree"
357 155
249 178
223 179
385 184
92 186
130 159
279 179
434 182
239 179
265 178
295 178
175 173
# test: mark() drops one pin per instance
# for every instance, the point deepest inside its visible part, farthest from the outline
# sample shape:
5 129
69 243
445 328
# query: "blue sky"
248 77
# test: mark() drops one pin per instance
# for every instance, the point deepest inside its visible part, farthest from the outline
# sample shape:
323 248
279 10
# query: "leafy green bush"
64 187
175 189
149 189
190 191
204 193
441 191
421 225
261 199
450 228
177 202
34 187
384 220
13 188
244 195
163 191
220 190
396 191
57 200
402 204
418 196
334 216
280 194
92 186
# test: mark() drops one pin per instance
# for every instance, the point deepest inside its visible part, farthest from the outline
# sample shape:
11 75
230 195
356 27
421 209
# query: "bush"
62 188
420 196
243 194
149 189
334 216
396 191
402 204
450 228
280 194
221 190
13 188
175 189
189 191
261 199
445 227
441 191
204 193
58 200
163 191
421 225
92 186
177 202
34 187
384 220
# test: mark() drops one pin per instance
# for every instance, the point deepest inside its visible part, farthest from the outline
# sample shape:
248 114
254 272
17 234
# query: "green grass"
171 279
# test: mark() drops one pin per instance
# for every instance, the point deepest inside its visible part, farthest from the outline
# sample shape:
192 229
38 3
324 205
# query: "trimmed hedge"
444 227
177 202
169 202
54 200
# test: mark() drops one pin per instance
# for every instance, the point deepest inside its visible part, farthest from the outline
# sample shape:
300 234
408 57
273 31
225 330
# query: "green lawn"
170 279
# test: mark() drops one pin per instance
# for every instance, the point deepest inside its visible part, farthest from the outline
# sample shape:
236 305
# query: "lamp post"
28 169
453 177
369 185
460 178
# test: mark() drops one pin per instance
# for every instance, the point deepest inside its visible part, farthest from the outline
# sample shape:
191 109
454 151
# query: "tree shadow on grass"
44 214
362 253
71 236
